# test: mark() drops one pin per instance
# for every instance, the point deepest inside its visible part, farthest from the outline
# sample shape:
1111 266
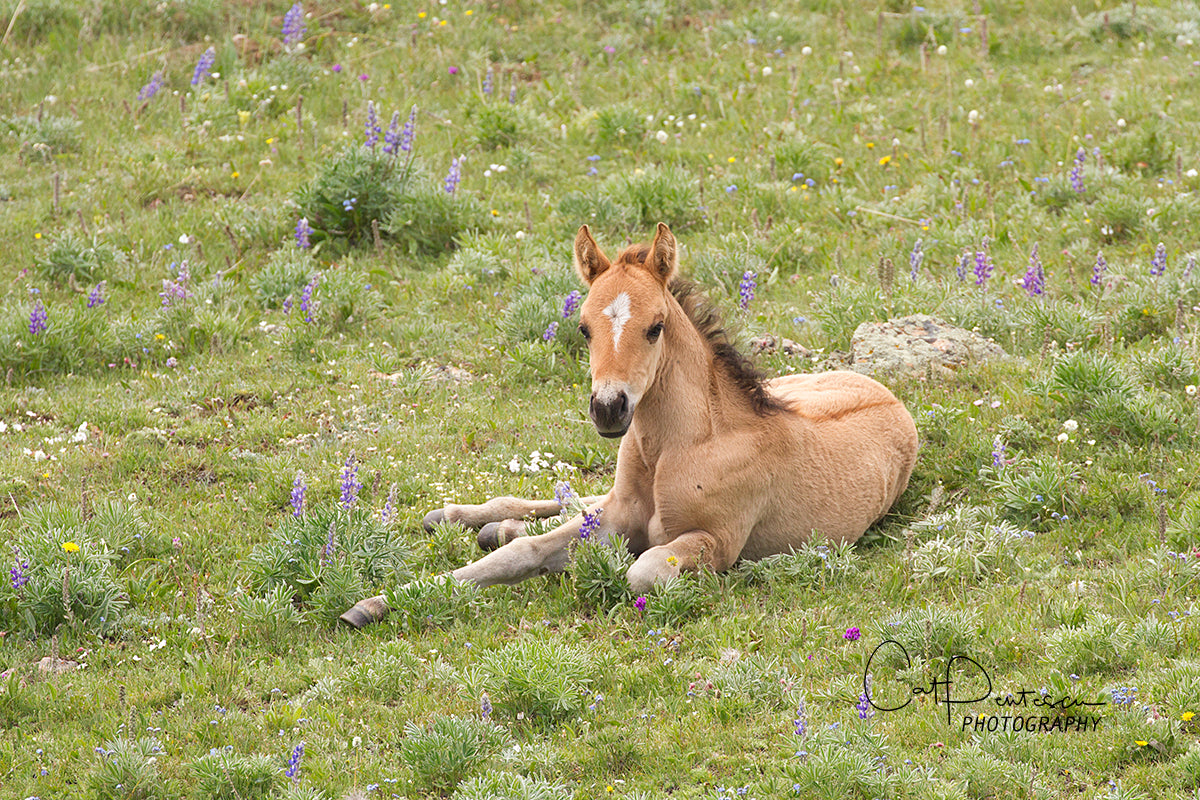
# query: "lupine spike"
746 289
204 66
1034 281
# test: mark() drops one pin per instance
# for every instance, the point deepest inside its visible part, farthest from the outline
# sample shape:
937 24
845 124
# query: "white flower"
941 51
972 117
132 497
766 71
1121 122
969 82
662 137
1062 437
514 465
1070 426
519 234
806 51
183 238
1191 173
1190 389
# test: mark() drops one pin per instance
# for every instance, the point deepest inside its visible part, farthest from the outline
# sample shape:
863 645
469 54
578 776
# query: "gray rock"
918 345
773 344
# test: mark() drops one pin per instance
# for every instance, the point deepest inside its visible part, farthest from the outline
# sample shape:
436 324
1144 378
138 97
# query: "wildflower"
512 96
960 271
70 547
998 448
591 521
350 483
640 605
865 710
1076 175
1070 426
550 332
388 513
485 706
746 288
1099 269
177 289
983 264
204 66
330 546
372 129
409 132
571 304
349 203
391 138
564 495
18 575
306 301
800 724
1035 277
96 295
303 231
171 362
151 88
299 489
293 25
1187 270
915 258
1187 716
293 767
1158 264
489 82
453 176
852 634
38 318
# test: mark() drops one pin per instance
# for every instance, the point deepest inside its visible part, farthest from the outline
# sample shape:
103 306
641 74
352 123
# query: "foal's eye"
654 332
586 331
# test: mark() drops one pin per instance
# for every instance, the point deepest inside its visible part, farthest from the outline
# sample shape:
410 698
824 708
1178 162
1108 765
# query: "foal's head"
622 320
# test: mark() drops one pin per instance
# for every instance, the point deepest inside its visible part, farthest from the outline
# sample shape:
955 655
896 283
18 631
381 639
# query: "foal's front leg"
499 520
689 551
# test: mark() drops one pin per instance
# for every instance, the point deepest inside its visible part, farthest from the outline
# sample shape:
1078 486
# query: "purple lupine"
177 289
293 767
998 448
330 546
1034 281
800 724
287 305
746 288
96 295
303 232
1099 270
489 82
964 261
306 298
983 263
1076 175
299 489
865 709
564 495
915 258
204 66
591 521
1158 264
391 137
410 131
38 318
485 706
371 128
350 483
151 88
388 514
1188 267
19 574
550 332
453 177
571 304
512 95
293 25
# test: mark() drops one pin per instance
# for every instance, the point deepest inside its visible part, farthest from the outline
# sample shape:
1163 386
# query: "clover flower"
571 304
350 482
915 258
293 767
1158 264
299 489
371 128
1100 268
293 25
38 318
303 232
746 288
151 88
96 295
1076 175
591 521
453 176
204 66
1034 281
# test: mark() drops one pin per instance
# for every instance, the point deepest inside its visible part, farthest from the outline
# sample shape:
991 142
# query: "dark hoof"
489 537
433 519
365 612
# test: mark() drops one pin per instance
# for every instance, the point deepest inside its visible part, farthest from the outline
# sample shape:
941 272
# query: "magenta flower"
852 634
640 603
453 70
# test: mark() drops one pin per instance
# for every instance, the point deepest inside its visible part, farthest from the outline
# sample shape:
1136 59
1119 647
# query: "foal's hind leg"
499 520
687 552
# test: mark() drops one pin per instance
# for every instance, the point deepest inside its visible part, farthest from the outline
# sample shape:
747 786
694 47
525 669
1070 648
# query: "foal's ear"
664 255
589 261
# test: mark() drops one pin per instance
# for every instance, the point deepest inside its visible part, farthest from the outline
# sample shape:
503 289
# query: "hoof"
433 519
489 537
366 612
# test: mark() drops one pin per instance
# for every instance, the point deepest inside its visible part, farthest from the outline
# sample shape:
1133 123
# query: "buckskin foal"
715 463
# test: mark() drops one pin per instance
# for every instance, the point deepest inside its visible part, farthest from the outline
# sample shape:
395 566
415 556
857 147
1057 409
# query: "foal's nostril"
623 407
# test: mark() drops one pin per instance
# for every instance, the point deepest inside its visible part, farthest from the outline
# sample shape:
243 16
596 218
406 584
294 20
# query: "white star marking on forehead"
618 313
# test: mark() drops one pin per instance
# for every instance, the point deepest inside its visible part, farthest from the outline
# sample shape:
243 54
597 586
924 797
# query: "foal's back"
843 452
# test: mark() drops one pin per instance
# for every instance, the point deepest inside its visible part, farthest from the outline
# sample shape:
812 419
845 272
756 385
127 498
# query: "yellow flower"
234 174
837 162
883 162
70 547
442 23
420 15
495 213
159 336
1141 744
37 236
270 140
732 159
470 11
1187 716
870 145
243 117
672 560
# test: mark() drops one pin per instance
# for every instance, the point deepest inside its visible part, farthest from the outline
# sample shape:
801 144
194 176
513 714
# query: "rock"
56 666
918 345
771 344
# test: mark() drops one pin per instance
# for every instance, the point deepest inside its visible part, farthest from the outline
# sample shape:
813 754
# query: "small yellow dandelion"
791 188
1187 716
421 15
870 145
159 336
731 159
37 236
45 475
1140 743
235 174
442 23
70 547
495 213
883 162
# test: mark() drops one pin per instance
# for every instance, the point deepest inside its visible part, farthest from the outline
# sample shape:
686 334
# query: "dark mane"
704 315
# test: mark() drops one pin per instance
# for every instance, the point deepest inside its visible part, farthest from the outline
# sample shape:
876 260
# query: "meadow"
280 279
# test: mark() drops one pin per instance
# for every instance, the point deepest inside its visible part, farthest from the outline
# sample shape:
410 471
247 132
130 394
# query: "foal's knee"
653 567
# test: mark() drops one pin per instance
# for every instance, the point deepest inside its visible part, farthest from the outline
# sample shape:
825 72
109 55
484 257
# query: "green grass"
802 142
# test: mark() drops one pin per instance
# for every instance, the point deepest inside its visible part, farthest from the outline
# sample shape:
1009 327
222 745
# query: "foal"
715 463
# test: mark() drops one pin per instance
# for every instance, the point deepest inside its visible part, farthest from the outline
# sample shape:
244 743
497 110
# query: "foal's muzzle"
612 415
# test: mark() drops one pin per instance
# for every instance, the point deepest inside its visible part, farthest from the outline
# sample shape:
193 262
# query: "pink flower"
453 70
640 603
337 67
364 77
852 634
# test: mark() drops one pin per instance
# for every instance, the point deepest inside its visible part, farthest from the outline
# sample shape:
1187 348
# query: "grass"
162 430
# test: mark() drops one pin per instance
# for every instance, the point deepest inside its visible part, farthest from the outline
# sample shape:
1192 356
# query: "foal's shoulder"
829 395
